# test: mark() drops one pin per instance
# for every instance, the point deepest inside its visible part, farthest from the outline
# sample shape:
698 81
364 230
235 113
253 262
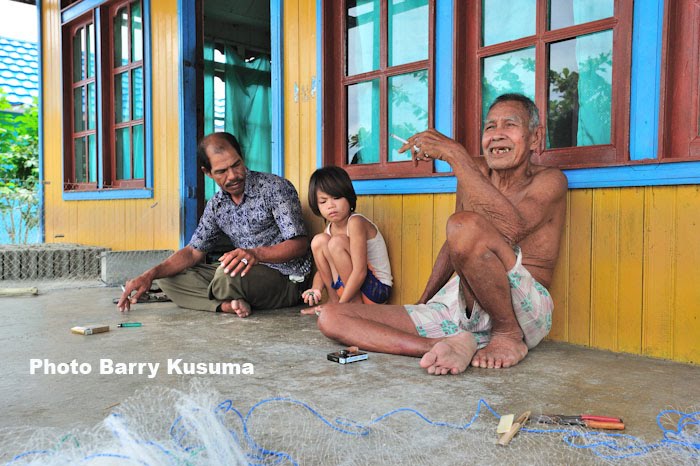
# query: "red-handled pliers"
583 420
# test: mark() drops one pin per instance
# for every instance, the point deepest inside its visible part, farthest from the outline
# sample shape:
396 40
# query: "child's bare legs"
322 258
339 249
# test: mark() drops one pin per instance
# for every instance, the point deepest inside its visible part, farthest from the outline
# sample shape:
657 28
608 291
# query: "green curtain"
247 108
209 186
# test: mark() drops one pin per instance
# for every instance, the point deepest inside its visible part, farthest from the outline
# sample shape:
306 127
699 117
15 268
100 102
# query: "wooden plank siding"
118 224
300 103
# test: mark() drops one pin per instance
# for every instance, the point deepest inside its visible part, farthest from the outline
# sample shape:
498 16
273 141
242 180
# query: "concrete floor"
289 358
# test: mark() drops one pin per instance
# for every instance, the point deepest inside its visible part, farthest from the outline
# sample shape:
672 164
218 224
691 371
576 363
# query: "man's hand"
238 261
140 285
431 144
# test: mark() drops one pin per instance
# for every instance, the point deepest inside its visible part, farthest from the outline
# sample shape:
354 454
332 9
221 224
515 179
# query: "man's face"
507 141
227 169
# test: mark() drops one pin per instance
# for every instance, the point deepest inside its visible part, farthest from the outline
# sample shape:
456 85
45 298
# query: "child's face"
333 209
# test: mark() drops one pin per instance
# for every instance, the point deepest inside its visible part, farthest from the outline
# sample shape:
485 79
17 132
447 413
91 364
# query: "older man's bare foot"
236 306
504 350
450 356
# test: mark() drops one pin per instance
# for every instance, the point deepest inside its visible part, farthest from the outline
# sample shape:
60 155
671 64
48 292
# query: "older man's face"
227 169
507 141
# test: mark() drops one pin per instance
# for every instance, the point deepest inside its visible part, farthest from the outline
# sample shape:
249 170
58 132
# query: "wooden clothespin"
508 436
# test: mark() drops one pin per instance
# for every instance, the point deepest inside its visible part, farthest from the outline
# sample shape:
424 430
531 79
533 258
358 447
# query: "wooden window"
378 81
680 114
572 57
81 98
126 120
104 98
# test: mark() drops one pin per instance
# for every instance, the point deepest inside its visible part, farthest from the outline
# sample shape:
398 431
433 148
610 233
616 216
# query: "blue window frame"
647 166
107 134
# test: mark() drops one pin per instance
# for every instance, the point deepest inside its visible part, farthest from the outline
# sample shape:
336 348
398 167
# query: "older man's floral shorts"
445 313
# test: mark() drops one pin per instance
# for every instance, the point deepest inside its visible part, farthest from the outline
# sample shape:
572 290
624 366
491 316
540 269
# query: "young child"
351 257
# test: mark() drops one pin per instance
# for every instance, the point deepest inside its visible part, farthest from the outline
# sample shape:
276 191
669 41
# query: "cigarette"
400 139
123 288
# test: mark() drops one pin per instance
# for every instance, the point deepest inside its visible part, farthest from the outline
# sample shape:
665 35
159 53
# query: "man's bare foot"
504 350
451 355
236 306
309 311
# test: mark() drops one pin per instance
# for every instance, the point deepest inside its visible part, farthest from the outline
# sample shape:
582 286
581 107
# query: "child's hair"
333 181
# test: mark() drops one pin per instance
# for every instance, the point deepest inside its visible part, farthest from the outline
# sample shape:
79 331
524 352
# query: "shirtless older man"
502 243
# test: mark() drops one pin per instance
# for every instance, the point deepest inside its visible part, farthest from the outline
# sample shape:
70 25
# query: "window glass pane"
408 31
219 103
136 32
362 36
123 159
121 38
137 92
363 122
580 91
92 105
80 159
78 40
78 109
502 21
408 109
121 97
138 152
508 72
90 50
564 13
92 151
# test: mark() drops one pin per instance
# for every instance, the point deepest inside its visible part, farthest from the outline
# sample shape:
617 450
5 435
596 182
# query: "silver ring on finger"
244 261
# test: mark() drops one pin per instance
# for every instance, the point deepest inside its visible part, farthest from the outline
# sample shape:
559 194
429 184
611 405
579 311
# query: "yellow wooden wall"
119 224
629 260
300 99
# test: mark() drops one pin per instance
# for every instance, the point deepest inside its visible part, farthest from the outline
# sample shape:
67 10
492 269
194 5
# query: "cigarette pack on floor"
90 329
346 357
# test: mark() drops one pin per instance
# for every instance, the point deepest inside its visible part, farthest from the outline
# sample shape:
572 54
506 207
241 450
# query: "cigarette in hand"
415 148
403 141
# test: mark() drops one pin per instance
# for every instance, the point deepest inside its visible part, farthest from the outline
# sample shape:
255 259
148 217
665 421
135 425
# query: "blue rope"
683 437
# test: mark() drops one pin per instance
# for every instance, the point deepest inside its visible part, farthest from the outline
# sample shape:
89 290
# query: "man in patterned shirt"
502 243
260 214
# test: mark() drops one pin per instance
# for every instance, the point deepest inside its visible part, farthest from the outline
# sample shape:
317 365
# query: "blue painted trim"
427 185
41 192
78 9
108 194
148 97
646 79
444 73
188 117
656 174
277 50
319 83
100 121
